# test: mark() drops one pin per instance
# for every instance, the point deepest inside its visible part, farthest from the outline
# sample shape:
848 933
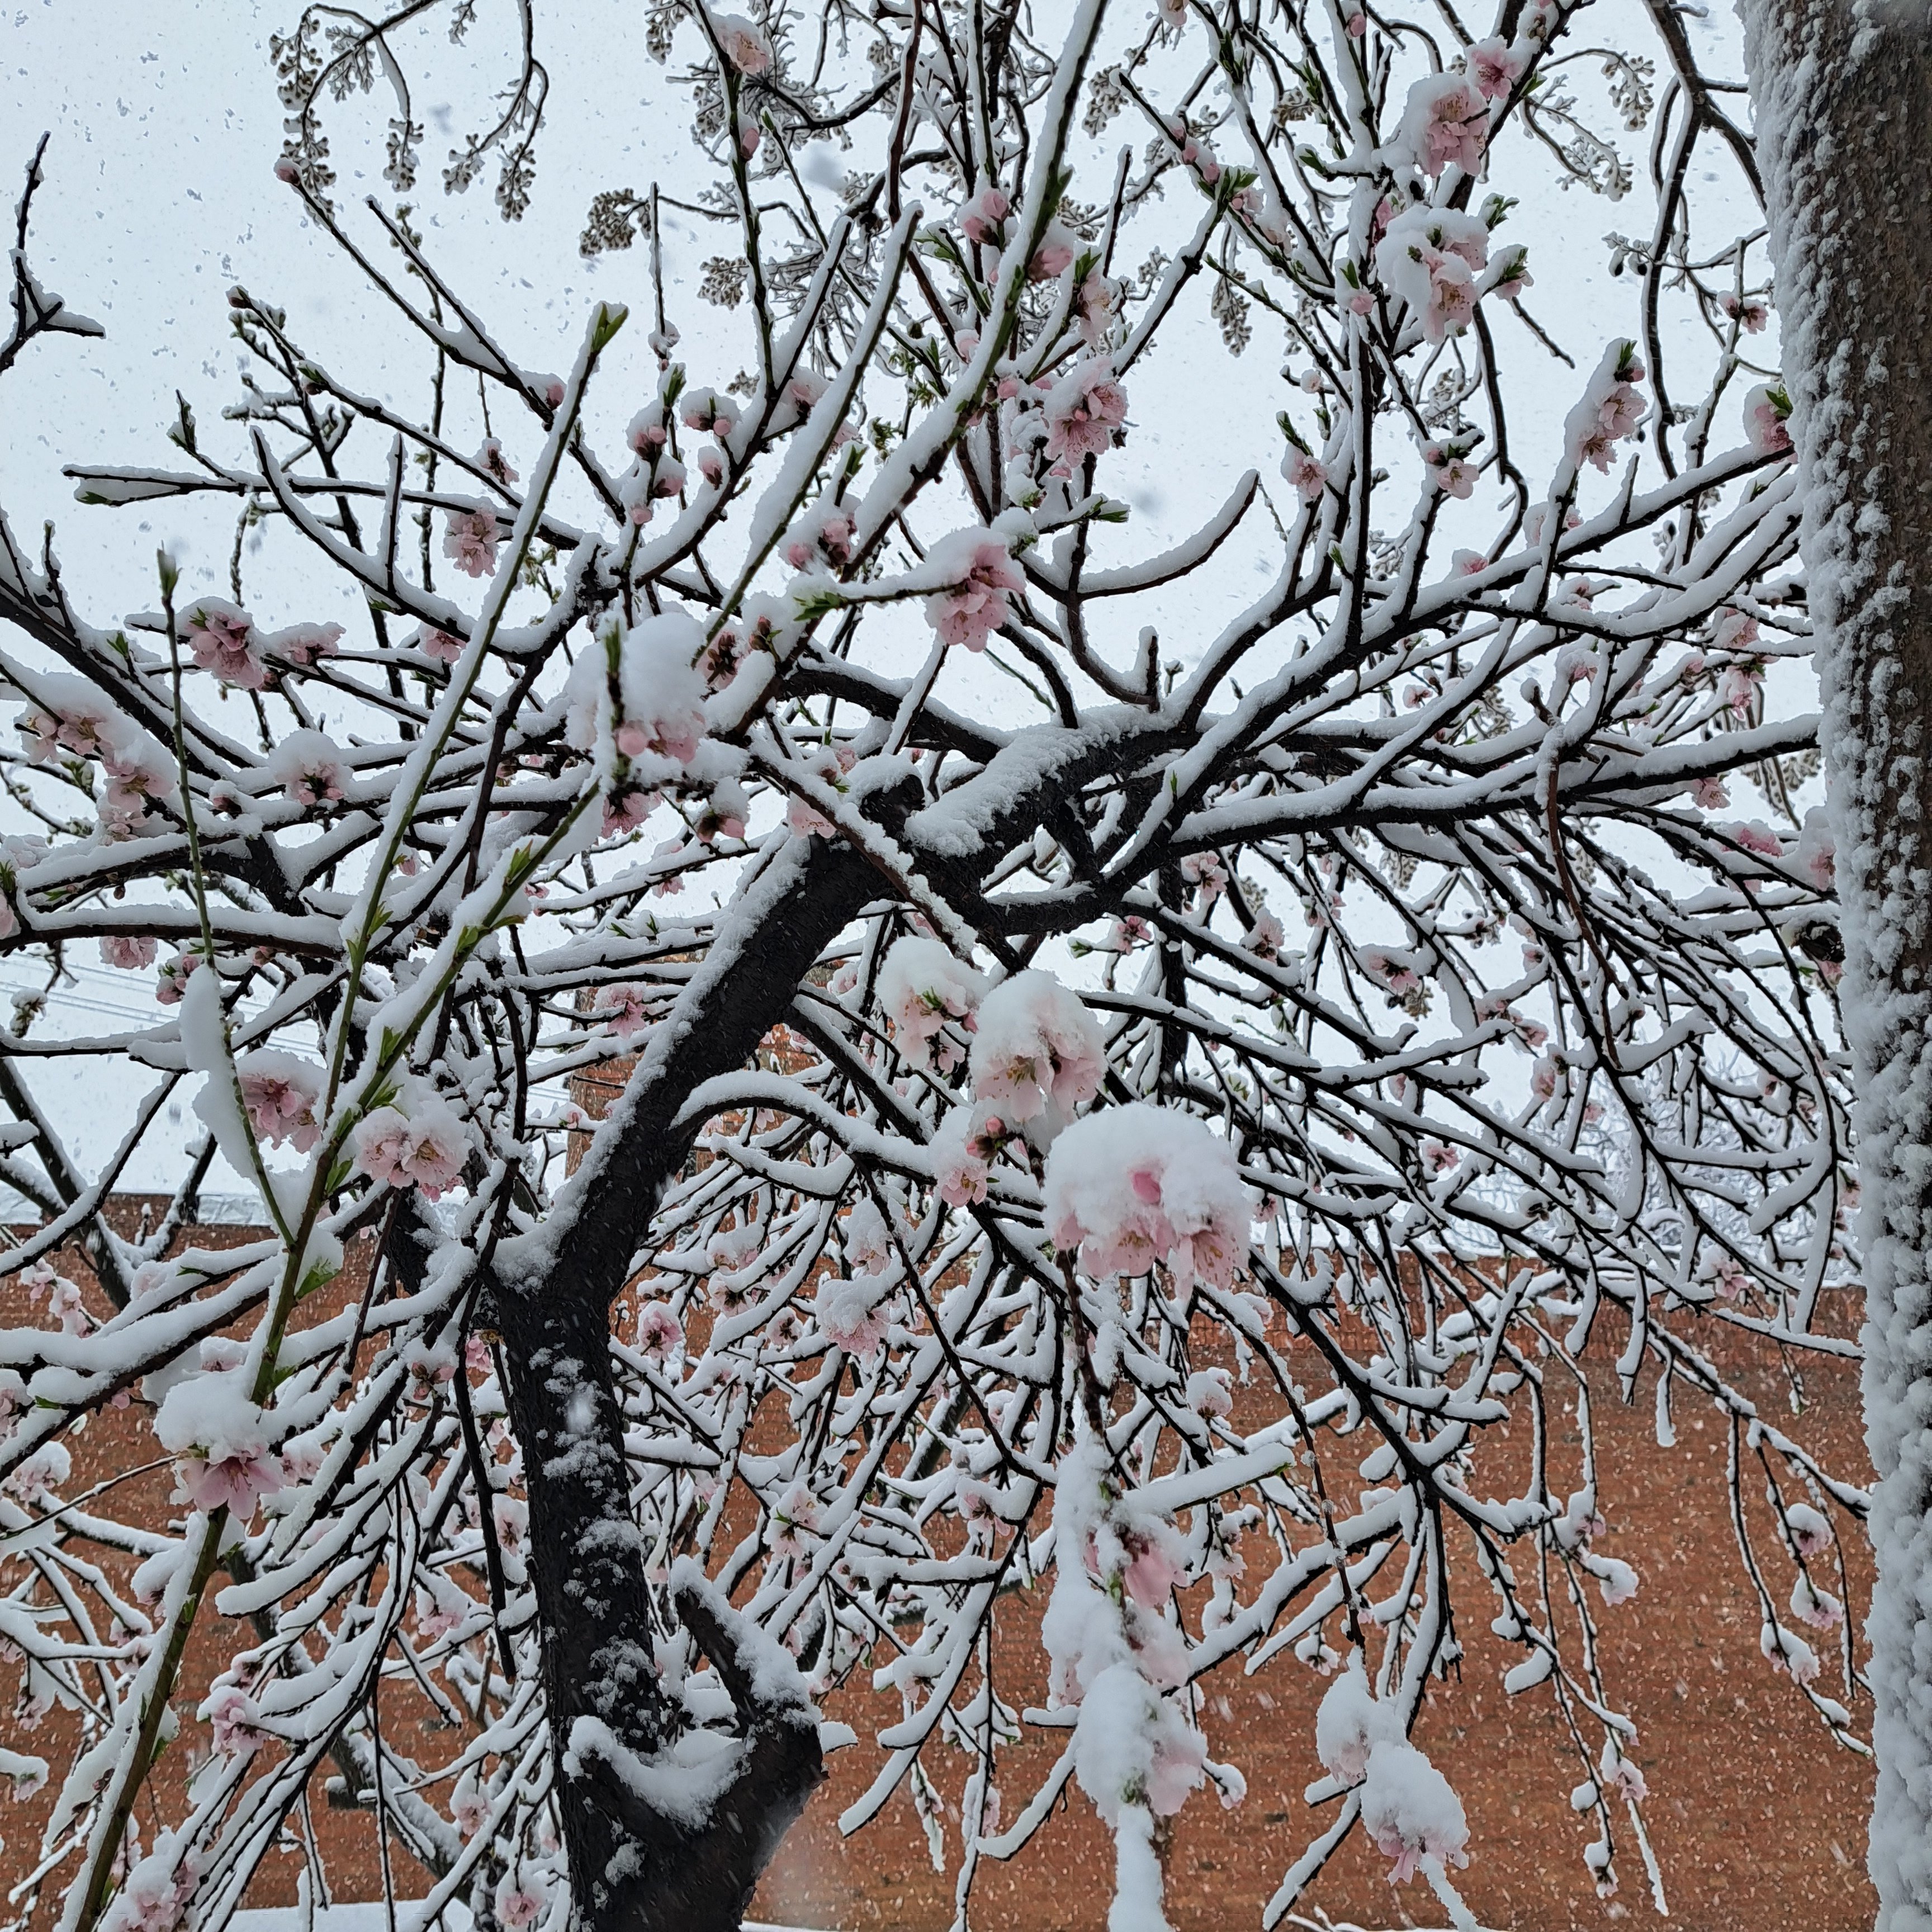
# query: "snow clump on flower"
222 636
1445 123
1128 1186
308 766
922 986
1430 258
280 1091
655 719
1610 411
424 1147
219 1439
978 568
1037 1053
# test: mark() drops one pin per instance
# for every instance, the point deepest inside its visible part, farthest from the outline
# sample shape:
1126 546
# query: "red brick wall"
1758 1819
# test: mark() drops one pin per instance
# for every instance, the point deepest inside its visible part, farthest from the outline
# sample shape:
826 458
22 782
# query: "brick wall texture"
1757 1819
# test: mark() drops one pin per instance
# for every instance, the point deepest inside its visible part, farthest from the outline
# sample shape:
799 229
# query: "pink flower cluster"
1445 123
982 575
656 711
470 540
1430 258
1036 1052
281 1092
1408 1807
219 1437
309 766
1611 409
1133 1186
424 1148
71 716
921 988
221 635
1084 409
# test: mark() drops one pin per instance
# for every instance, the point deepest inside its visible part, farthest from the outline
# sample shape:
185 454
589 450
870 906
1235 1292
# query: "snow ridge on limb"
1844 95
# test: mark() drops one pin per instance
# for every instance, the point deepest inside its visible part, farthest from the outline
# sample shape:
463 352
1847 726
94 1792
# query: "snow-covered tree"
1095 1096
1852 278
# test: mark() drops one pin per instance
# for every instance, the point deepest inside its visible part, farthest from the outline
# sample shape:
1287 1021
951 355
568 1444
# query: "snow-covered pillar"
1843 94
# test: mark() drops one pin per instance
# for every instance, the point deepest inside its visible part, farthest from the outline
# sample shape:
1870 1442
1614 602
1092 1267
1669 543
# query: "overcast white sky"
159 194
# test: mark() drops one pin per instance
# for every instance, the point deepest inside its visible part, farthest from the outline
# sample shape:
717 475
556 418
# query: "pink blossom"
960 1174
746 47
1133 1185
976 606
518 1902
1054 256
1817 1608
235 1721
138 775
234 1478
627 808
443 646
1784 1650
706 410
1446 124
1409 1811
490 460
1728 1280
1495 66
807 821
921 988
302 645
130 951
1754 835
1096 303
1452 297
1036 1046
1438 1158
1450 469
1205 872
647 434
1739 686
426 1151
1624 1777
222 636
1733 630
173 977
1811 1530
280 1092
1265 937
309 766
622 1010
1511 275
470 542
1767 413
1304 473
1621 411
659 1333
1083 410
1710 795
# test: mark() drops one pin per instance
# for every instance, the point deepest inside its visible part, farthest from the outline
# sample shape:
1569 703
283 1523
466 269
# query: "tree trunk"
1843 94
634 1867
